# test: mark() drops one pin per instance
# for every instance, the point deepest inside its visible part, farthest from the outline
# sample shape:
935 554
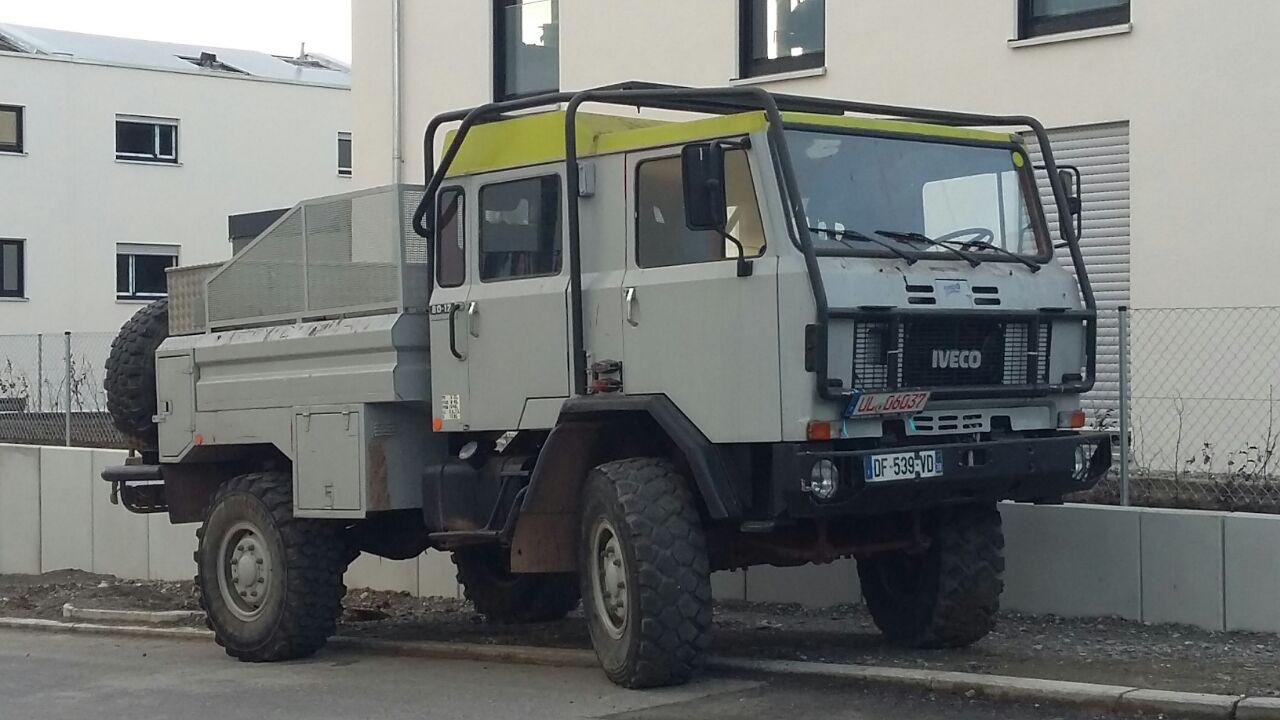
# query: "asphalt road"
70 677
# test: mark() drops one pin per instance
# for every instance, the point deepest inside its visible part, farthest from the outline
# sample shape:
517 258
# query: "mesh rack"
342 255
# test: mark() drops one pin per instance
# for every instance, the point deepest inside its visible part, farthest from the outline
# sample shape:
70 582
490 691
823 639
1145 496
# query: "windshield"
898 187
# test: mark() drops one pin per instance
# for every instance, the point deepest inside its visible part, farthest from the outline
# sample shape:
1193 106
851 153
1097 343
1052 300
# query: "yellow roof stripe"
539 139
895 126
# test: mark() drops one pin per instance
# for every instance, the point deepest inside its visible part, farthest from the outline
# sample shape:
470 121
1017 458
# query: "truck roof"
537 139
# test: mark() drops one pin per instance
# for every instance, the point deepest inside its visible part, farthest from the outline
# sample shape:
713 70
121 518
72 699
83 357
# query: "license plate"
892 403
903 466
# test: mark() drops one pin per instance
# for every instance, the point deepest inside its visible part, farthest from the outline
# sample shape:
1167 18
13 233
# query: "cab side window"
663 239
520 229
451 255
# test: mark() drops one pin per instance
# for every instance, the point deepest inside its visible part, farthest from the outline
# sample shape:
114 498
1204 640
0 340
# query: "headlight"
1084 454
823 480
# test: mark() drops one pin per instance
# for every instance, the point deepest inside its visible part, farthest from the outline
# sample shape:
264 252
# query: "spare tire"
131 373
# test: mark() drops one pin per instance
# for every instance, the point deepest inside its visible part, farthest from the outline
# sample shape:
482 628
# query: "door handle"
453 331
473 312
631 307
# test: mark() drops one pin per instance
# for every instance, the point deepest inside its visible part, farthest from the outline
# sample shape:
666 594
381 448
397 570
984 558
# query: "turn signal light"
437 424
818 430
1071 419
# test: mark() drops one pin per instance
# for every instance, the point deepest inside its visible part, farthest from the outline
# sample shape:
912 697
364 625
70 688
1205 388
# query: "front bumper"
1023 469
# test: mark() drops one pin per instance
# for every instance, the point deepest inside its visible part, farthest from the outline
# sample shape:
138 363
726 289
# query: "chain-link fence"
1198 408
51 390
1194 392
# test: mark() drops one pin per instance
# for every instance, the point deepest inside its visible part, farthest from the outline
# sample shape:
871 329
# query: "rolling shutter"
1102 154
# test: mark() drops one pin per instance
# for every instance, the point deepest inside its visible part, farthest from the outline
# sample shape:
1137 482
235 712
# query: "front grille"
949 352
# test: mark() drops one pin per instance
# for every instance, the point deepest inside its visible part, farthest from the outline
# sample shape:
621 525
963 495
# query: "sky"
275 26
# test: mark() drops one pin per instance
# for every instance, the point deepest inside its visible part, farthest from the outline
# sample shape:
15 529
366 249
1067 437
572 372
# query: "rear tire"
131 373
270 584
946 596
506 598
644 572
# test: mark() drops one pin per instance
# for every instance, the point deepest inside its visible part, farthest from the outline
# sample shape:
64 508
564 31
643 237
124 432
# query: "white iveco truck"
598 357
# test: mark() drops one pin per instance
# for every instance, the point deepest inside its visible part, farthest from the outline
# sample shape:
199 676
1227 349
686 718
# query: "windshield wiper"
988 245
910 237
855 235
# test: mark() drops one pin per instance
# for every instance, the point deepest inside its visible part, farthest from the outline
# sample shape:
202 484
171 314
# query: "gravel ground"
1087 650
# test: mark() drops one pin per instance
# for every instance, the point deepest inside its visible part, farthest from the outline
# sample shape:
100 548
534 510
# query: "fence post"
66 416
39 372
1124 405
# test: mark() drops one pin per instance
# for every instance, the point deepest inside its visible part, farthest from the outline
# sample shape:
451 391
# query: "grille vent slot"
987 295
921 295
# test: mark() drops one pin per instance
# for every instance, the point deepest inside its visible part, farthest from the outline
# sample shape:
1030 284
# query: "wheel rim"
609 579
246 569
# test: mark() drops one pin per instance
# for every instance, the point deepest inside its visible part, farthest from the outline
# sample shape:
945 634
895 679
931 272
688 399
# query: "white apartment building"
119 158
1151 98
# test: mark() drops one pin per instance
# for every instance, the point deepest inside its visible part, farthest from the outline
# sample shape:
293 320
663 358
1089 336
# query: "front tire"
644 573
506 598
947 596
270 584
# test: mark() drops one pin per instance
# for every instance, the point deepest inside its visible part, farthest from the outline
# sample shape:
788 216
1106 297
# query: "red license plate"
895 403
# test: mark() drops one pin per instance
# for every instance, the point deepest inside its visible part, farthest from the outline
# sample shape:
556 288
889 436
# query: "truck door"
517 306
449 338
692 329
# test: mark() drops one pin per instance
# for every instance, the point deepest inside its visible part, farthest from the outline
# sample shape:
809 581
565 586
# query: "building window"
663 239
451 257
520 229
10 129
146 139
140 270
12 269
344 154
526 48
1047 17
779 36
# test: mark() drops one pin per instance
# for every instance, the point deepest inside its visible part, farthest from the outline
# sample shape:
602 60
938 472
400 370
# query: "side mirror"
1070 177
702 167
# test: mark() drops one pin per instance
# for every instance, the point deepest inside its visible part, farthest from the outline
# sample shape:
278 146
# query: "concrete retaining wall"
1219 571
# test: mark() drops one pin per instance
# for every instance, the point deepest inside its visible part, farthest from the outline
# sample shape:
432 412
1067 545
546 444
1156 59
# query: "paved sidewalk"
72 677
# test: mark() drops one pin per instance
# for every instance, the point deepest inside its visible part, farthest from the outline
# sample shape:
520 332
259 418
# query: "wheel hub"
609 573
246 572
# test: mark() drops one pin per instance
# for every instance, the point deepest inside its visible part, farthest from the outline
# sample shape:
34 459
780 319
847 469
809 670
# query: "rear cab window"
520 229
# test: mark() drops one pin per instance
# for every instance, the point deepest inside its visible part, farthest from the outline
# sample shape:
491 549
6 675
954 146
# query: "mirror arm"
745 267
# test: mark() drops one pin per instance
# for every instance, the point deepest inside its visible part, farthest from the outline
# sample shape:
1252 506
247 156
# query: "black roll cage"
730 100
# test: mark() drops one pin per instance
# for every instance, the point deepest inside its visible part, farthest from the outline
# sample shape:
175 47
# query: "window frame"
635 199
19 147
21 292
1031 27
349 170
133 250
750 67
156 123
560 235
499 55
439 236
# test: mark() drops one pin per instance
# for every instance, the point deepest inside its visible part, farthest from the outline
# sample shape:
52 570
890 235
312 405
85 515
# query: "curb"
994 687
150 617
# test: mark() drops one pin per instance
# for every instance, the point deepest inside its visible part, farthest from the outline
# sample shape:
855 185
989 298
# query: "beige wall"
1190 78
244 145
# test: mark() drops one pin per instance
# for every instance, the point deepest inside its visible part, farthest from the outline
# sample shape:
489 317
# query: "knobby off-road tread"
509 599
970 578
673 572
958 596
131 372
315 560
